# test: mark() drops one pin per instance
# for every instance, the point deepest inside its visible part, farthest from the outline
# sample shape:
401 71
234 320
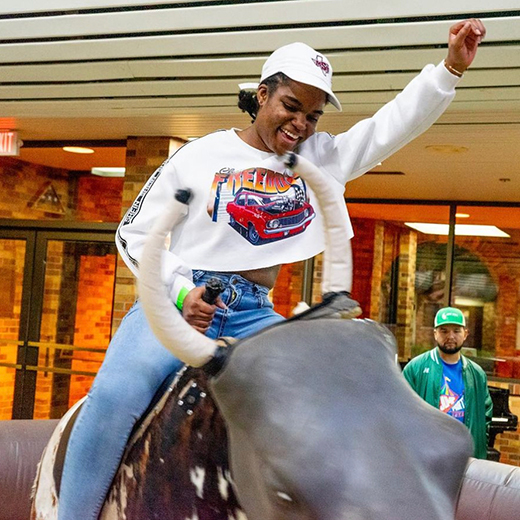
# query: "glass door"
56 318
16 254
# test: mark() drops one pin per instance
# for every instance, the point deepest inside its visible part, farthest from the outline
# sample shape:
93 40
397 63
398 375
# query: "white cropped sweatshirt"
246 211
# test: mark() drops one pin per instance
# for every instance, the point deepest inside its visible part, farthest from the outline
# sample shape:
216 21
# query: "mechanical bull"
307 420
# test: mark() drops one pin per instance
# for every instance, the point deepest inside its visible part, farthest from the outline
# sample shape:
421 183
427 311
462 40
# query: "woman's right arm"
155 196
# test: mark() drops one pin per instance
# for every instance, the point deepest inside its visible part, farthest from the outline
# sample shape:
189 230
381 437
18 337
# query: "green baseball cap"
449 316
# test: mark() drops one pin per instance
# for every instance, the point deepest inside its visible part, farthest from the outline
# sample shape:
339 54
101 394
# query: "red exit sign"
9 142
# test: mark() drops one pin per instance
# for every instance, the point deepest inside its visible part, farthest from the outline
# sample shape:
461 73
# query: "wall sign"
9 144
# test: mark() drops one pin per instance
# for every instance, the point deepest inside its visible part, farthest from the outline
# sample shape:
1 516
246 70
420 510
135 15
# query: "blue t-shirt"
452 392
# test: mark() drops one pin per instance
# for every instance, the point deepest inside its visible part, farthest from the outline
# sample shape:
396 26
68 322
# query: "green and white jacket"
424 373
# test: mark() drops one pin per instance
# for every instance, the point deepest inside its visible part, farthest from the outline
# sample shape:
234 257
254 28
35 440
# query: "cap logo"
322 64
449 316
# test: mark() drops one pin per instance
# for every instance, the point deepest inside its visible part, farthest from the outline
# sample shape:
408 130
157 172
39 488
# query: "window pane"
12 261
75 323
487 284
399 269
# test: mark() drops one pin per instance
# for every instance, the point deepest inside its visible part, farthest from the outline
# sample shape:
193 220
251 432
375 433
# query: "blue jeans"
135 365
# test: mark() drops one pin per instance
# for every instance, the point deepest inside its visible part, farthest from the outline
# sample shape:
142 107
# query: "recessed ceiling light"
467 230
381 172
105 171
78 149
462 215
448 149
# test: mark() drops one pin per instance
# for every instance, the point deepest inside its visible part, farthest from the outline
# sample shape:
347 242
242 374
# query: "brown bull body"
176 465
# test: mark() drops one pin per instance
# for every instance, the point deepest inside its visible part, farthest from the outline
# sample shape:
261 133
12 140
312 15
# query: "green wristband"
180 298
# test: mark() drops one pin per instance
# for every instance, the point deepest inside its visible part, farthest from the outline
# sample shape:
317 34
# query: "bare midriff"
265 276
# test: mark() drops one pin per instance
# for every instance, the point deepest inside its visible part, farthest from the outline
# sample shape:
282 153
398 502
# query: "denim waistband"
229 279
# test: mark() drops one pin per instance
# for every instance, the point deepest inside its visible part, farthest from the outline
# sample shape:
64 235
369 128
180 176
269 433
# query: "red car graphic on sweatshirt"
264 217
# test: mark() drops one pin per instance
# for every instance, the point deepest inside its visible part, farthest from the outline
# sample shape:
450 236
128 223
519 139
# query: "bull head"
322 425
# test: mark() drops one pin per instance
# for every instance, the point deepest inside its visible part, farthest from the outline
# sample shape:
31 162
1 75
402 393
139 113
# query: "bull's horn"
170 328
337 261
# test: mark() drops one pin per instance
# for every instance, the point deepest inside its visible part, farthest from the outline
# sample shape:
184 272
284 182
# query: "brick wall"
31 191
143 156
363 258
288 289
99 198
26 190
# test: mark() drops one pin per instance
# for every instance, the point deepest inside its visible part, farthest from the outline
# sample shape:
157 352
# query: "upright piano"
502 420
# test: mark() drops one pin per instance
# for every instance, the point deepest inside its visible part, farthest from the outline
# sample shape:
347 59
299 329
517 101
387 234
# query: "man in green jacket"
449 381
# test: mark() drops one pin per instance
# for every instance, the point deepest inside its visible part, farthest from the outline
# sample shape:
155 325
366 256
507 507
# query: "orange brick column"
143 156
288 289
317 279
406 294
377 271
363 260
506 323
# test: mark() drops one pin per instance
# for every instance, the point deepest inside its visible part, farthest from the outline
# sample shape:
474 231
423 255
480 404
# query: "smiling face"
286 117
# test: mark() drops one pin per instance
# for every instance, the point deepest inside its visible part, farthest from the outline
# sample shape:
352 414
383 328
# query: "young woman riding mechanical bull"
227 171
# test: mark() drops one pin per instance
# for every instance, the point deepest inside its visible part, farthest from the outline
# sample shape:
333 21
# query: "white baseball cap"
301 63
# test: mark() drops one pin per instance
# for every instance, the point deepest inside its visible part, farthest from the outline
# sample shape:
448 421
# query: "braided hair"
247 100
